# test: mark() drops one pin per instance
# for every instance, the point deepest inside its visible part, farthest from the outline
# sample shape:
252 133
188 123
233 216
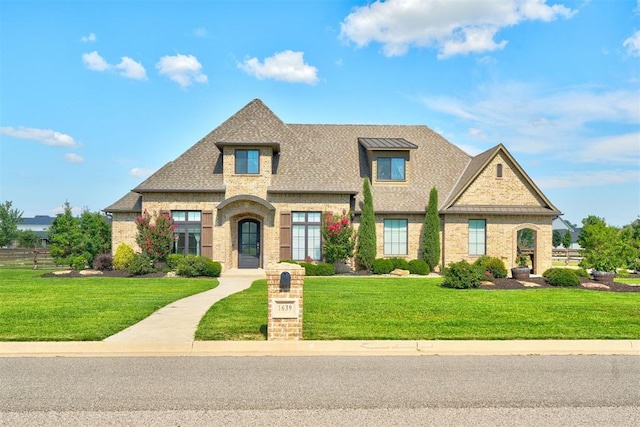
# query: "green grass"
381 308
628 281
33 308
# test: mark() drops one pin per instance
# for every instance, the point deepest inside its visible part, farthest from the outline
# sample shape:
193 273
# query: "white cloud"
90 38
182 69
530 119
616 148
633 44
131 69
140 172
454 27
44 136
73 158
477 133
588 179
94 61
287 66
127 67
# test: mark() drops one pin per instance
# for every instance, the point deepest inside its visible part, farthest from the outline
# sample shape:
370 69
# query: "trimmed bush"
124 257
400 263
79 262
561 277
462 275
495 266
309 269
581 272
418 266
103 262
382 266
140 265
196 266
173 260
324 269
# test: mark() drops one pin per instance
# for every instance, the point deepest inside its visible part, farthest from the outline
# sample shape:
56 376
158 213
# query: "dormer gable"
389 160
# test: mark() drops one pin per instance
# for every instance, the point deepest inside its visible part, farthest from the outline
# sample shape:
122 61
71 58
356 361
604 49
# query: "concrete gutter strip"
320 348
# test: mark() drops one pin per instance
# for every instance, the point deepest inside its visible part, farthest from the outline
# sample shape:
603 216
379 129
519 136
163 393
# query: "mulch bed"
586 285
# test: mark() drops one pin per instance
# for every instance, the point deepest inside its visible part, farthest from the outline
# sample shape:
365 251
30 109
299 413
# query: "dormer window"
391 169
247 161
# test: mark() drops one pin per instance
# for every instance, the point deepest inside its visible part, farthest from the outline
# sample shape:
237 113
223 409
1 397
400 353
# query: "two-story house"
254 191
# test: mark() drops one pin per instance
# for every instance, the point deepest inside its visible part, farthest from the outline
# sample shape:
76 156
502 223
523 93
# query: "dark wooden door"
248 244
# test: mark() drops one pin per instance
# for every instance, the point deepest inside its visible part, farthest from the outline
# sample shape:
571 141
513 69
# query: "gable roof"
322 158
475 167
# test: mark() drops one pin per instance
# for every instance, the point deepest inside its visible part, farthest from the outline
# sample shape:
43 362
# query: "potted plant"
522 270
604 269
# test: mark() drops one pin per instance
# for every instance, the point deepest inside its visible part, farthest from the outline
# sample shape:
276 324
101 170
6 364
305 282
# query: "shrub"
141 264
79 262
103 262
155 240
495 266
337 234
309 269
462 275
561 277
581 272
325 269
195 266
400 263
173 260
124 257
418 266
382 266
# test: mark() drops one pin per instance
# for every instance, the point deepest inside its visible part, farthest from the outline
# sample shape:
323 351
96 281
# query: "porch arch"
535 251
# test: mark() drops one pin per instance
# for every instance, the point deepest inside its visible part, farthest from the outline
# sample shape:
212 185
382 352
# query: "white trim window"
305 236
477 237
395 237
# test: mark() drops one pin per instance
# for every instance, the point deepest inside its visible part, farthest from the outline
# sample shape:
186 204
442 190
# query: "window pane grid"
305 236
187 234
477 237
395 236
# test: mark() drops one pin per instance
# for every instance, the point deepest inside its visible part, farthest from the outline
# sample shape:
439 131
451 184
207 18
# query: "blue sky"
96 95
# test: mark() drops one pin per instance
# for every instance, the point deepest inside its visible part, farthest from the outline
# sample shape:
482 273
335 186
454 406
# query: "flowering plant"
337 233
155 239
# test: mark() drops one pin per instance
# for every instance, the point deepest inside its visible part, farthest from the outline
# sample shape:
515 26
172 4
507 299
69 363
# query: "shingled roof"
321 158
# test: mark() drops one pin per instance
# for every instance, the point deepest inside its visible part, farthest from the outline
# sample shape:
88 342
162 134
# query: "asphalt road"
318 390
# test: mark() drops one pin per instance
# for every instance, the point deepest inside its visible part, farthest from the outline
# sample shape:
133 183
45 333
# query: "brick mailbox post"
285 283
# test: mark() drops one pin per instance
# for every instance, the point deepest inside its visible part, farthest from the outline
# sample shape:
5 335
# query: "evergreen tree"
65 237
431 236
557 238
367 244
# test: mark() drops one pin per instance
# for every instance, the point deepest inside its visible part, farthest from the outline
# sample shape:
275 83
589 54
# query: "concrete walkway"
178 321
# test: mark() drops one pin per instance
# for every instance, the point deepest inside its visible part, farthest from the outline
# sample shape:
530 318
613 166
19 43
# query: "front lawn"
34 308
371 308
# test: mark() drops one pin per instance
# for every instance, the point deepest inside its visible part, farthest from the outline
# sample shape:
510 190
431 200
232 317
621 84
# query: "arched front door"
248 244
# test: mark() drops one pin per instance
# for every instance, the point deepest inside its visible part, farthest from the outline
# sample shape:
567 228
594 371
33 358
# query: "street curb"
320 348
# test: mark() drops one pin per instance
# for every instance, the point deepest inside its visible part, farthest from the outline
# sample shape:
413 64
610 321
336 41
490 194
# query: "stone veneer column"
285 304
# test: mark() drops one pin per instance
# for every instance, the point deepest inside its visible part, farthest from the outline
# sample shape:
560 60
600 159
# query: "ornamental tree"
155 237
337 233
431 233
367 244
